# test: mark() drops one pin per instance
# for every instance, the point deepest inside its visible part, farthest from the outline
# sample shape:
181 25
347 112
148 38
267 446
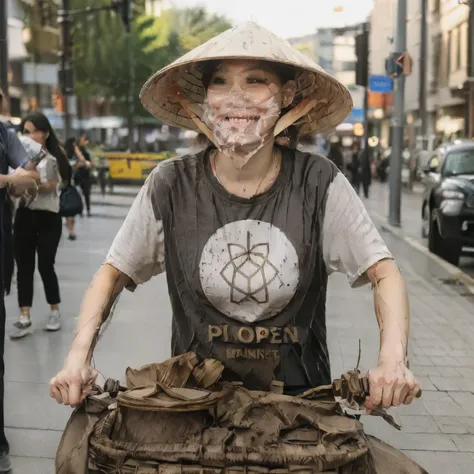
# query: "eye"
256 80
218 80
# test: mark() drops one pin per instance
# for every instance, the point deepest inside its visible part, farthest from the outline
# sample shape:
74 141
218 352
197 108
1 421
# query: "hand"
391 384
22 183
72 384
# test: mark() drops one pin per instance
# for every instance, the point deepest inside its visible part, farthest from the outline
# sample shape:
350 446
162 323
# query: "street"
438 431
411 217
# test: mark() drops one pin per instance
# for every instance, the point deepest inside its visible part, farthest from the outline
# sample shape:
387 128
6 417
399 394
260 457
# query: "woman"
38 227
81 166
251 227
83 172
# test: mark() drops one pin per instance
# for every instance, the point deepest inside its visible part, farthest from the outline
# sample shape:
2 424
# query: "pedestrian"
354 167
80 166
249 230
365 171
335 155
83 172
38 227
12 155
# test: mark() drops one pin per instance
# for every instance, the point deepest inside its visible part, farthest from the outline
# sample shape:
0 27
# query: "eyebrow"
263 68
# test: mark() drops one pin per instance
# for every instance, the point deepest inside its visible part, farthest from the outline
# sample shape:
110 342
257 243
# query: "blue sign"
356 116
380 84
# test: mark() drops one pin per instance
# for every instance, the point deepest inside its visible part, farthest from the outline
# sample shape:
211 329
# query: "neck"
238 168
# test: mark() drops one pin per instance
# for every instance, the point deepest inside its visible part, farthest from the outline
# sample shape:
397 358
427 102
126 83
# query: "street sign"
380 84
356 115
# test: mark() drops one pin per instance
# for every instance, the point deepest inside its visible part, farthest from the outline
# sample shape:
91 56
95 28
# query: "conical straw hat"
323 101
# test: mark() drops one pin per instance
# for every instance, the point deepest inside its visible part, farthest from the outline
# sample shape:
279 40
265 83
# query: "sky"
287 18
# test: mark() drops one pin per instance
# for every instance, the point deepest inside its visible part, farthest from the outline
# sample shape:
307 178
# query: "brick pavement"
438 431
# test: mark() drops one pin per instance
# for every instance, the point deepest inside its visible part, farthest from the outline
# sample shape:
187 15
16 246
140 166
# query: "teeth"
237 120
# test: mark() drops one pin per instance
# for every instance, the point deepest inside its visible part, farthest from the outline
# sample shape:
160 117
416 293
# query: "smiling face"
244 102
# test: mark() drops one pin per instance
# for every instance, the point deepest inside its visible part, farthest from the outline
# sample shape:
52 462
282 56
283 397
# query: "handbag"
70 202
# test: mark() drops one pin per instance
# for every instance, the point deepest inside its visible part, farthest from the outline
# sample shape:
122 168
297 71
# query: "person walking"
354 168
80 166
38 227
83 176
365 171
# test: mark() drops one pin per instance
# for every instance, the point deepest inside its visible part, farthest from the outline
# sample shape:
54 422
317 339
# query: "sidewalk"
438 431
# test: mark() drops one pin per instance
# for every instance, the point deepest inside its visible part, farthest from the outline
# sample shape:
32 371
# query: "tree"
107 59
196 26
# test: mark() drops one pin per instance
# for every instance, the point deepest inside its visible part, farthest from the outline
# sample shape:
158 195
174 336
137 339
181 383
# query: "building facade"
334 50
446 64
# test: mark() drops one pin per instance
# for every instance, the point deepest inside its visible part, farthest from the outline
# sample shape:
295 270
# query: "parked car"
448 200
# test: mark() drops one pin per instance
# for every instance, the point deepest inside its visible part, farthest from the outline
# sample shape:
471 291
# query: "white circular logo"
249 270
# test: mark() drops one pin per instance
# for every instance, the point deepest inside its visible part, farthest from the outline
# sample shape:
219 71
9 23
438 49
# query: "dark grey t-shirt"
247 277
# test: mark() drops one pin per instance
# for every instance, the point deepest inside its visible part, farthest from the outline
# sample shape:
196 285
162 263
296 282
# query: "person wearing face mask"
259 229
38 227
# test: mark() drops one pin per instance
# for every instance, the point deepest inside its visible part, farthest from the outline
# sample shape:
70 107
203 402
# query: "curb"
454 271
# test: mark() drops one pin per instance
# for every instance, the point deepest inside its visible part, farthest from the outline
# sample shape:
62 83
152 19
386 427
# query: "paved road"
411 217
438 430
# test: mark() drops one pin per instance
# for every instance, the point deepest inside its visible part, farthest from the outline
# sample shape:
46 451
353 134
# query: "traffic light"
397 64
362 54
124 9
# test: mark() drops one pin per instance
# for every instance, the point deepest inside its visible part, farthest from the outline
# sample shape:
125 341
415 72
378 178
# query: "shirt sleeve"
16 154
48 171
351 243
138 249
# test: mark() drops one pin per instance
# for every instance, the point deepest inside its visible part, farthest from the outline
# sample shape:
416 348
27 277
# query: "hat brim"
334 101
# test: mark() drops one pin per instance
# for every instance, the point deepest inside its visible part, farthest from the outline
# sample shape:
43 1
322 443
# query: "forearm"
49 186
95 309
392 311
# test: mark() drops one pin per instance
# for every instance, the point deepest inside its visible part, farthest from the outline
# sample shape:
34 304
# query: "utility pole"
65 73
423 68
362 79
127 19
398 122
4 49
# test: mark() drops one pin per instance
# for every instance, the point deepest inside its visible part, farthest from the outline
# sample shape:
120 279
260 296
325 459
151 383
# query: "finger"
414 389
64 394
55 393
376 392
400 394
408 400
75 393
388 391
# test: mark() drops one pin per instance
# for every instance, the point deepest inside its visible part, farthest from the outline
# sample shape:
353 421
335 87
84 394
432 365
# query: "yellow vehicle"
131 168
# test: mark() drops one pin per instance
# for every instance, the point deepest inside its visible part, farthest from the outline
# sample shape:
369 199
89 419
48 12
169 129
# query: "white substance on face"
240 126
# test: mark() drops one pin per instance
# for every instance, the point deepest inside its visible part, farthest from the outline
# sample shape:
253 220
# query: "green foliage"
104 54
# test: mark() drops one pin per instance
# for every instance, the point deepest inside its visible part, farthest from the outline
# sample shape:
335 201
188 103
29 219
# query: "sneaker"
54 321
23 323
5 465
